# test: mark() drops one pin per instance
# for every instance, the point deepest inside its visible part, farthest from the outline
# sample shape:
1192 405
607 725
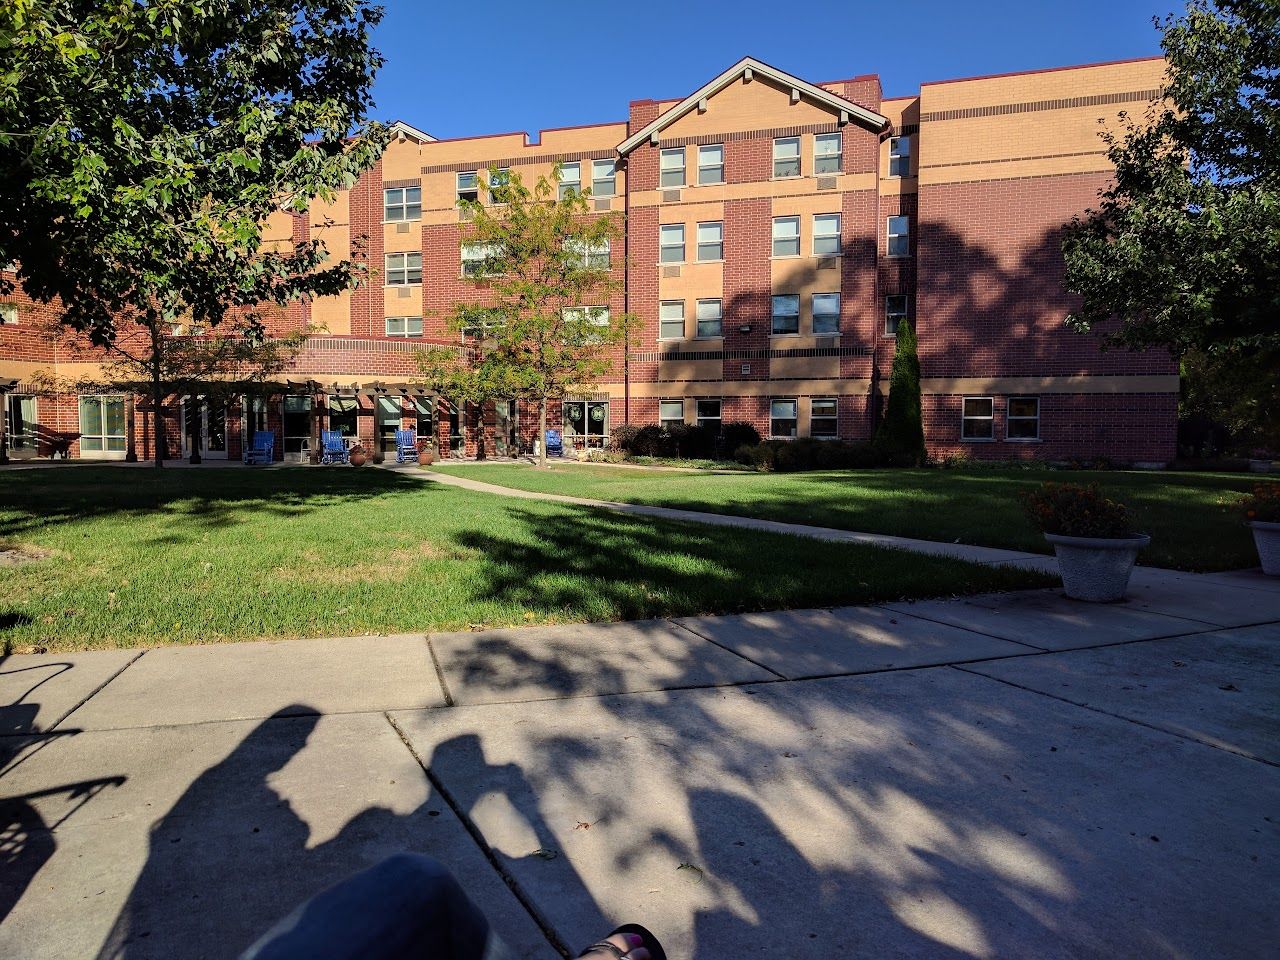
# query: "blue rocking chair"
263 448
332 449
555 443
406 446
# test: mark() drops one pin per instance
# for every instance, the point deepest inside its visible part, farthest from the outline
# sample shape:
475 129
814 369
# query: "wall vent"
670 196
671 271
402 228
826 342
828 263
826 183
402 292
745 368
604 203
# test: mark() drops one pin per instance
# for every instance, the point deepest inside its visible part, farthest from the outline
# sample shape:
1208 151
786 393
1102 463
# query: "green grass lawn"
184 556
1192 517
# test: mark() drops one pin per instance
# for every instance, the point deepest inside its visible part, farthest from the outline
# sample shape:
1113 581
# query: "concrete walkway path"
1005 776
962 551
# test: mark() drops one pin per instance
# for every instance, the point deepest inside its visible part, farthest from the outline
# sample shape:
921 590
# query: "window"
710 319
671 243
424 412
404 269
978 419
786 236
826 313
786 313
895 311
828 153
570 179
826 234
102 427
899 236
711 163
1022 420
824 417
593 256
594 316
404 326
672 167
20 421
474 256
468 185
671 320
782 418
899 156
401 203
709 414
295 423
670 412
343 412
786 157
711 241
498 181
603 178
8 314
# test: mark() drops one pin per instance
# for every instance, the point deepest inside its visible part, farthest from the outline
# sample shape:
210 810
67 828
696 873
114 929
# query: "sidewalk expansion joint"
741 656
536 915
435 662
96 690
1119 716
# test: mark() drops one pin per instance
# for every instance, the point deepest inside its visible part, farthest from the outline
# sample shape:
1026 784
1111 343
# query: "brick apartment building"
776 231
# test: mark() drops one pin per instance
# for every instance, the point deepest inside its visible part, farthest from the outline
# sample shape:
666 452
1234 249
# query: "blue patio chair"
263 448
555 443
406 446
332 448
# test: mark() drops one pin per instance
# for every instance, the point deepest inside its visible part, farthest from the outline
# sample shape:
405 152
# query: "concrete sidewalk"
1005 776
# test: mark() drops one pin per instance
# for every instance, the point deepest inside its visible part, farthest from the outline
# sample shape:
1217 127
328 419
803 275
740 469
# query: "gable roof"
847 109
413 133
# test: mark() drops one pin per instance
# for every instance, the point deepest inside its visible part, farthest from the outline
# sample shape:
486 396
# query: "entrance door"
586 424
296 426
207 422
389 417
504 433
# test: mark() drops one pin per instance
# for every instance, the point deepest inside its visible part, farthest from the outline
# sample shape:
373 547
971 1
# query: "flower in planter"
1075 510
1263 504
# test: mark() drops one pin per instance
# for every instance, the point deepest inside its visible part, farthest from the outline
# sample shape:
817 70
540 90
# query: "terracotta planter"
1266 537
426 458
1096 569
358 459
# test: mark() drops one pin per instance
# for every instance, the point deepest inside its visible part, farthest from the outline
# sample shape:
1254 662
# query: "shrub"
1072 510
900 439
622 438
735 434
691 441
653 441
1263 504
805 453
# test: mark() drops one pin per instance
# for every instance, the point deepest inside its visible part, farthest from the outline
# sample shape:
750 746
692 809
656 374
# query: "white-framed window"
711 241
824 417
671 320
899 156
786 313
474 256
594 256
468 185
498 181
401 203
783 417
786 236
344 415
670 412
604 178
826 313
711 163
8 314
671 243
20 421
899 236
587 317
403 269
786 157
710 318
828 153
708 413
404 326
895 311
671 167
102 427
570 179
977 419
1022 418
826 234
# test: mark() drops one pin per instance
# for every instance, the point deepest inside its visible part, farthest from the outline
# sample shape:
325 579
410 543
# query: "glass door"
213 428
102 431
504 433
586 424
20 425
389 415
296 415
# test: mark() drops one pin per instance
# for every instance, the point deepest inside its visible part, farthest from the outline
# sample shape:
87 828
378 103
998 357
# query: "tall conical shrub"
900 439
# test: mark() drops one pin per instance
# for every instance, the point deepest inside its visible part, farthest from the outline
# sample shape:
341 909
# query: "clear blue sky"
461 69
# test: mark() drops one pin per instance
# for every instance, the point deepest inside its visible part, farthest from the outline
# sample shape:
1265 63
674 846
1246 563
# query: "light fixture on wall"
745 328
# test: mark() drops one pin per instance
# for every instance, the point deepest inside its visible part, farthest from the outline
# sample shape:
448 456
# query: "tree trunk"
542 431
157 420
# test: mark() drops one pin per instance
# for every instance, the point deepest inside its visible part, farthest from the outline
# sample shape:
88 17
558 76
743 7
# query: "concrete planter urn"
425 457
1096 569
1266 537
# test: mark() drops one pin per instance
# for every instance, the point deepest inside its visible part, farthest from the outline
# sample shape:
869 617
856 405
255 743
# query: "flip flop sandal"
650 943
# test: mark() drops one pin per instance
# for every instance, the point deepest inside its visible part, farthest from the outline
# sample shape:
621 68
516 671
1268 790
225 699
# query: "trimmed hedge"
806 453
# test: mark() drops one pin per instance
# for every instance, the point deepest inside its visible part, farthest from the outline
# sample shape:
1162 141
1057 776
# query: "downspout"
626 299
